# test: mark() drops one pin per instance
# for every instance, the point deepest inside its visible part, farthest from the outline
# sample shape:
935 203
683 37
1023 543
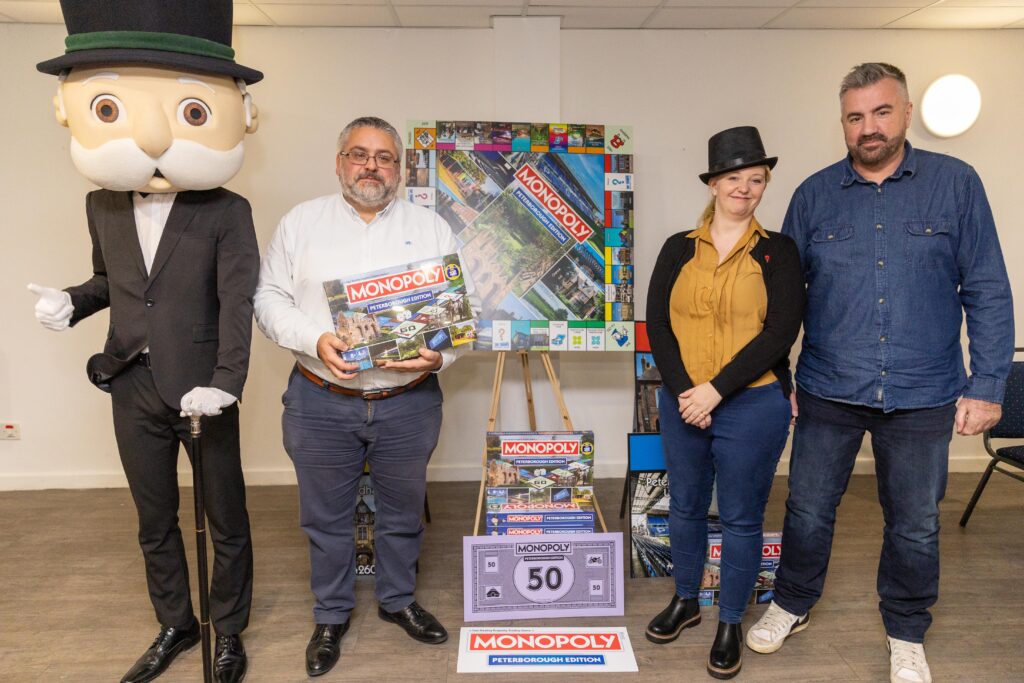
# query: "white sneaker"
907 663
772 629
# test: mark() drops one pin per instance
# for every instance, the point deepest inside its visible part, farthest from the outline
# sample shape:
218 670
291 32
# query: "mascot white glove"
54 307
205 401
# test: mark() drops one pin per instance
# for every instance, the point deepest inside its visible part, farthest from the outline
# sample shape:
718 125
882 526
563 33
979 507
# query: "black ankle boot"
726 653
670 622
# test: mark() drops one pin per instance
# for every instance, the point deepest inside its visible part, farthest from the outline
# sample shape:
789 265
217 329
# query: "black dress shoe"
229 660
169 643
324 648
680 613
417 622
726 653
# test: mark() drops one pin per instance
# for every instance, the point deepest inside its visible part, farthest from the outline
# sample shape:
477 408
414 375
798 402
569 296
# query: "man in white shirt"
337 419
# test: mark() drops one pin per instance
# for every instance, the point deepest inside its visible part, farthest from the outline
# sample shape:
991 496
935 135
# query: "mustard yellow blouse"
716 308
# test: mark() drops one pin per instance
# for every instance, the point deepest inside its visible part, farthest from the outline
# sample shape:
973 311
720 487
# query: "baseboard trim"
442 472
35 481
113 480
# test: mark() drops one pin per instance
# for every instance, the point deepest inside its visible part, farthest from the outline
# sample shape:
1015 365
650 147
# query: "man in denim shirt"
896 244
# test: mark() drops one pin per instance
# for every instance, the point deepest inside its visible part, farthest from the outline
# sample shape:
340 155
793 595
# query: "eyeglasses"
359 158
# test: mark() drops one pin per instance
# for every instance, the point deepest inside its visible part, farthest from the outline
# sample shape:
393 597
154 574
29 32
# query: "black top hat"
733 149
194 35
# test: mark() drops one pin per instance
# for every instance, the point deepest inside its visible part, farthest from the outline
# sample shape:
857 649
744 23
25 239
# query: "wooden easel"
492 419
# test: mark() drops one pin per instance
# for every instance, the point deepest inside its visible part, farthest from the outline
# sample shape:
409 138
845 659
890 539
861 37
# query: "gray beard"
374 197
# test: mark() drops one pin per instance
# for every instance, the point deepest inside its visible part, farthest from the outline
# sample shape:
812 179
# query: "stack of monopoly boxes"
764 586
540 483
365 523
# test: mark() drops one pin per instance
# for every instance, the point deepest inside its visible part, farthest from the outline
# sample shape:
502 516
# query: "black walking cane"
196 448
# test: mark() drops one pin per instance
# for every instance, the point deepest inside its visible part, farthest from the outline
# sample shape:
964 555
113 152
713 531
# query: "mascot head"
152 94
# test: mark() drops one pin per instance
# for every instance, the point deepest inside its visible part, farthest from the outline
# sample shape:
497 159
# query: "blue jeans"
329 437
741 448
911 449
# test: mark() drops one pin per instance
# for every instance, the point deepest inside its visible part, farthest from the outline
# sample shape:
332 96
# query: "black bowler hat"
733 149
191 35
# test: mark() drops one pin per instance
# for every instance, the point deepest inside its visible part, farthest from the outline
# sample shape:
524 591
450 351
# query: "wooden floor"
73 603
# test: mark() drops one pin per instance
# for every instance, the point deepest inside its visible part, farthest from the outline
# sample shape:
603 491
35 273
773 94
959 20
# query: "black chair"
1011 426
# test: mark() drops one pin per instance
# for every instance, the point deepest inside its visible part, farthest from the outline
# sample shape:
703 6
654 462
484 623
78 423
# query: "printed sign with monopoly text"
545 576
545 649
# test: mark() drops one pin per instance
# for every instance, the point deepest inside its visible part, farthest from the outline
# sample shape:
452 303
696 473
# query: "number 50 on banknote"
543 576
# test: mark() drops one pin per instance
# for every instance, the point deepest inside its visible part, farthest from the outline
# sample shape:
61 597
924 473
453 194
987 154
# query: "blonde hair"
709 210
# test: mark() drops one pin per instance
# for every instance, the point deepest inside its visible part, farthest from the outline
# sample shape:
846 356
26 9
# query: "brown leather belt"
373 395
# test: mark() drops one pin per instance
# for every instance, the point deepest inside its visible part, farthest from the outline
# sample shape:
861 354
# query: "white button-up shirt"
151 213
326 239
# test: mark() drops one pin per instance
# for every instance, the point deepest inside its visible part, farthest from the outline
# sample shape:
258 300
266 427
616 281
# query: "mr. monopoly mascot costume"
157 110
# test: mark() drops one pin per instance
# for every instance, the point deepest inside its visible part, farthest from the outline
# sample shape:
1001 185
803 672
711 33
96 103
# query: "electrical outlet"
11 431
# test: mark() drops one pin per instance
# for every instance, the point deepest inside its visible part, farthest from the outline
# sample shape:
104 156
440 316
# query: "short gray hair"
869 73
370 122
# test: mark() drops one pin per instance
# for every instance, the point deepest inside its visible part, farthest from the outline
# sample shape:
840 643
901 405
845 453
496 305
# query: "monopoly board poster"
544 214
390 314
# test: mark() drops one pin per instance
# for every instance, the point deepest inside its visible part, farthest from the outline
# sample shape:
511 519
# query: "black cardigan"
769 350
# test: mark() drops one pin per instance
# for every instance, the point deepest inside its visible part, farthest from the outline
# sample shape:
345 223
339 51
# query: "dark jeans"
329 438
149 437
741 448
911 449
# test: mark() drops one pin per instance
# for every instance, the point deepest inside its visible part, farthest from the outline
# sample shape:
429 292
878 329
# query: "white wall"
675 87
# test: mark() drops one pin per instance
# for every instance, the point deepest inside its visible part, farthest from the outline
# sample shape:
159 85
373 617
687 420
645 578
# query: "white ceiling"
604 14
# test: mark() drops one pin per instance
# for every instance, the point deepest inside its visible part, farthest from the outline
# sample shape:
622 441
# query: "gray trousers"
329 438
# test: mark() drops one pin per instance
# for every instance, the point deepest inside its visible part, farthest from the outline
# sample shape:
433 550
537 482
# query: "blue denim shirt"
891 268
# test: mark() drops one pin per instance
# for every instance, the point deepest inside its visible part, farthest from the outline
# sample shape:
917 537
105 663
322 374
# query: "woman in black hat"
723 309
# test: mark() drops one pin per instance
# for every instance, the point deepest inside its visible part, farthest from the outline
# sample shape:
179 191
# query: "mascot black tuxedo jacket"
193 309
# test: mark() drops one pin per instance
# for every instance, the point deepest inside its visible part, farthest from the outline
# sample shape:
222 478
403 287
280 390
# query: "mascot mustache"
121 165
